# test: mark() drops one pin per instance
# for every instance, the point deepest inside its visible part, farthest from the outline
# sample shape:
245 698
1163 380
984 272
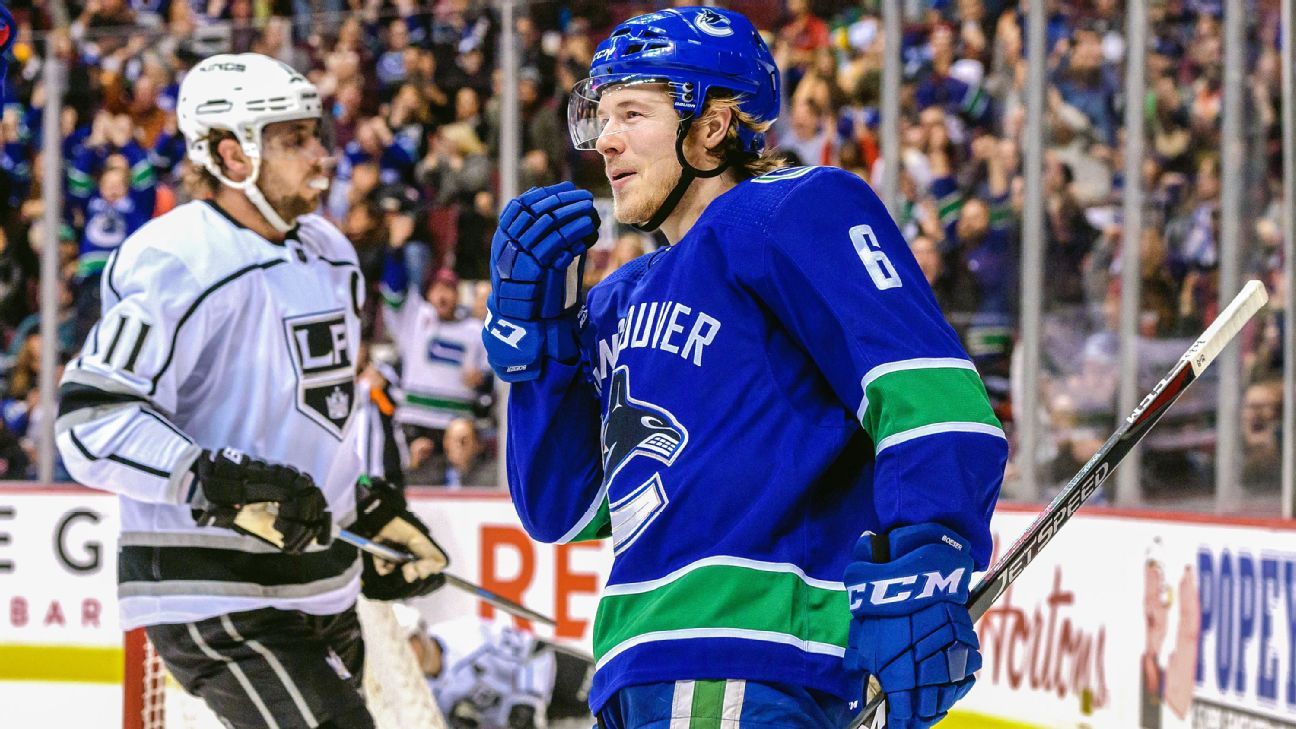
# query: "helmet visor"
585 123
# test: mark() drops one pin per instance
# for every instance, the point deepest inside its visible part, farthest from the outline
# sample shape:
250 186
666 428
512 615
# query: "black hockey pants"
271 669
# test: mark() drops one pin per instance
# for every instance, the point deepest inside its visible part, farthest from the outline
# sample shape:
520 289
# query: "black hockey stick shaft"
398 556
1001 575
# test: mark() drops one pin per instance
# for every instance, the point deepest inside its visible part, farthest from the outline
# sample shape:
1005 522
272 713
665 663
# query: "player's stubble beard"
645 195
290 205
292 196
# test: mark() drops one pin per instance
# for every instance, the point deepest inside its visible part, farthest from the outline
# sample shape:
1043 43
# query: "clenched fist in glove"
274 503
537 261
385 518
911 629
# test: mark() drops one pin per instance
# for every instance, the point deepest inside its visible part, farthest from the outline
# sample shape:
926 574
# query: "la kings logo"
325 377
635 428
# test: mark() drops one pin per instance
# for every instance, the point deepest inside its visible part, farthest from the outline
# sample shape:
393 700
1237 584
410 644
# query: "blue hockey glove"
517 350
537 251
911 628
537 263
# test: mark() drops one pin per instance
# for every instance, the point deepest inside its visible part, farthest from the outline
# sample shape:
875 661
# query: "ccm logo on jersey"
885 592
504 330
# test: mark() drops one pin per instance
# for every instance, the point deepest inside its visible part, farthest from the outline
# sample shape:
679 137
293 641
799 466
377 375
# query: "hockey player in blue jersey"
736 409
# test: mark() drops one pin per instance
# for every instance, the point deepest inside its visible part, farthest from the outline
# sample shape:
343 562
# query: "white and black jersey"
213 337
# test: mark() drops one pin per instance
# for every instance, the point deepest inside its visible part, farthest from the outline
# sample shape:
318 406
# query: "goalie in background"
217 396
490 675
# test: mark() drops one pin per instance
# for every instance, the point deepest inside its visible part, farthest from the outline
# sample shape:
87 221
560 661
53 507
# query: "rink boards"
1128 619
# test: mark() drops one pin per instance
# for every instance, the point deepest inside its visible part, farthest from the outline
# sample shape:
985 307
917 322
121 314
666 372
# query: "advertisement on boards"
58 567
1125 621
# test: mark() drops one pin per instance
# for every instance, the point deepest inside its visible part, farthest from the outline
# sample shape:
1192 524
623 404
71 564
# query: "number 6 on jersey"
875 261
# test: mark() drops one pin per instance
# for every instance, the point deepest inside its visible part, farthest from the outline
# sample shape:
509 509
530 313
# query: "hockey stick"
400 557
1081 486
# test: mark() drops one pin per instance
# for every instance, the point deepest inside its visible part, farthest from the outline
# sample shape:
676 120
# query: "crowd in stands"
412 102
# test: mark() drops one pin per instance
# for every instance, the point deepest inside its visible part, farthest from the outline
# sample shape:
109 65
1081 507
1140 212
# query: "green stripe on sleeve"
778 606
911 398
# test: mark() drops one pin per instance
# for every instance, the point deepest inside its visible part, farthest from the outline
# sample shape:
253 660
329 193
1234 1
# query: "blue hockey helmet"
692 51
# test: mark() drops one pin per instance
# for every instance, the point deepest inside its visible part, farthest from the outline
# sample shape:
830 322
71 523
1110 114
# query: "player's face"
445 299
293 167
638 148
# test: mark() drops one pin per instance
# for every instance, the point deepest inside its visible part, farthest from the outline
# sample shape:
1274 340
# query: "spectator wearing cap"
442 358
405 224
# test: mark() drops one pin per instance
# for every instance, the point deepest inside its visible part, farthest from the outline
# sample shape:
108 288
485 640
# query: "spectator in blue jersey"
374 142
113 212
735 408
940 86
15 165
111 135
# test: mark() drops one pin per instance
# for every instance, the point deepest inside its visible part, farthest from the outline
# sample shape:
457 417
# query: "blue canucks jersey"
749 401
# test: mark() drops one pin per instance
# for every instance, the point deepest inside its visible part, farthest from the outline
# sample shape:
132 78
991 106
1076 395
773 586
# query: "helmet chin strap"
688 173
254 194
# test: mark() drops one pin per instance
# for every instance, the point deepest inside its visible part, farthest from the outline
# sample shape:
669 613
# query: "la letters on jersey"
665 325
325 375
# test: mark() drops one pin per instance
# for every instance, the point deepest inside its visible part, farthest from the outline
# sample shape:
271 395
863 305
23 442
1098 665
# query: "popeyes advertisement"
1156 623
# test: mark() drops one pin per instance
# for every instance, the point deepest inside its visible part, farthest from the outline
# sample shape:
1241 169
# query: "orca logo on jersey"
321 354
636 428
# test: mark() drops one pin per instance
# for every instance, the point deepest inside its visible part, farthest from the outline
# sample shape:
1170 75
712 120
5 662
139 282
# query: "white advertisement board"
1147 621
58 567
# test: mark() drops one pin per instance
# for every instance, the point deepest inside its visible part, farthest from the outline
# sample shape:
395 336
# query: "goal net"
395 690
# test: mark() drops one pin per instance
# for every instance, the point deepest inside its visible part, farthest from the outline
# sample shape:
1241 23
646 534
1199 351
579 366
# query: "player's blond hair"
744 165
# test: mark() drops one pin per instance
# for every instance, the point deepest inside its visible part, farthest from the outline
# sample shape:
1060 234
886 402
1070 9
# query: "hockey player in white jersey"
443 362
216 395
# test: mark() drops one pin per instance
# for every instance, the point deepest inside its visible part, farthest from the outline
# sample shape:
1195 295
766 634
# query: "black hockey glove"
274 503
385 518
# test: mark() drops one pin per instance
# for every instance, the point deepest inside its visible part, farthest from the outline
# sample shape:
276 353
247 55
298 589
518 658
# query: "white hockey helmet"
242 93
